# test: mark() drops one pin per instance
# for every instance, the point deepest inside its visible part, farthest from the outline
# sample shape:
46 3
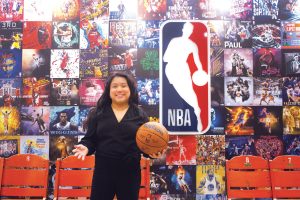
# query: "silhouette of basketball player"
177 70
6 121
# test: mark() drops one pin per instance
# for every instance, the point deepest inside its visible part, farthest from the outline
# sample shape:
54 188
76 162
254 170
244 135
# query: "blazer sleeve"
90 138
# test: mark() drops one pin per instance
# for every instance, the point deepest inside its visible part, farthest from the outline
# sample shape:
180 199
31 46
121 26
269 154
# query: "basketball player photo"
184 75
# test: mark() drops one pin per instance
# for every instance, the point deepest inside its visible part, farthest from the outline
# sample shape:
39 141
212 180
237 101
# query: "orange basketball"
152 137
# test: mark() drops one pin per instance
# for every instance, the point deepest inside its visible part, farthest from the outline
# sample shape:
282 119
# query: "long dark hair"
105 99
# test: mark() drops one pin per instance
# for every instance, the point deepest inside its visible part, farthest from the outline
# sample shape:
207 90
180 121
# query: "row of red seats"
26 175
254 177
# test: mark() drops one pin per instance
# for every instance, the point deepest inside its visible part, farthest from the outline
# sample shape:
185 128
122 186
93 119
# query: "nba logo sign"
184 77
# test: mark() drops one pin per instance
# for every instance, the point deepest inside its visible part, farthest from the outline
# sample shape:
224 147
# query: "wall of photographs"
55 61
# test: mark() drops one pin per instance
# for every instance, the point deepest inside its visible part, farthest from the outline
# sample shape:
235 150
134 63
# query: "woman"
111 134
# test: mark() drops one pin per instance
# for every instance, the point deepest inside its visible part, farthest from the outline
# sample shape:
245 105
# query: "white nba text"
179 117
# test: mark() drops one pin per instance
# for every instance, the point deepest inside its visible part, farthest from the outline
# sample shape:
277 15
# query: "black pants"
116 177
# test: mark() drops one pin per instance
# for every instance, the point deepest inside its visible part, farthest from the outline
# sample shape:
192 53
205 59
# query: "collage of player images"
54 64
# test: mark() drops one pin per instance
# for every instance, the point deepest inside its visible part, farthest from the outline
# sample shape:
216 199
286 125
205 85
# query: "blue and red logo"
184 76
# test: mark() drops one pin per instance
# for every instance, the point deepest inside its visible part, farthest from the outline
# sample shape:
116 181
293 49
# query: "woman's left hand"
158 154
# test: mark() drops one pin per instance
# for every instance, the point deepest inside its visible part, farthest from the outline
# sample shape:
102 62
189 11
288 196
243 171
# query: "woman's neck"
119 107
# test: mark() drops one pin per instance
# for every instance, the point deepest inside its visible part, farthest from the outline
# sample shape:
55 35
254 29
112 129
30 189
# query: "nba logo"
184 77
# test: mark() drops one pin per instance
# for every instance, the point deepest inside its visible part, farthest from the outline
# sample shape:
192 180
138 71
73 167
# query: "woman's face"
119 91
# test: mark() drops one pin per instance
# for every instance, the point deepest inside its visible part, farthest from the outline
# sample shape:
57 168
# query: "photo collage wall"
55 57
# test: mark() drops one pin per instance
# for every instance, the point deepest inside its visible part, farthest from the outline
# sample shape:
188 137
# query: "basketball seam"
148 144
149 130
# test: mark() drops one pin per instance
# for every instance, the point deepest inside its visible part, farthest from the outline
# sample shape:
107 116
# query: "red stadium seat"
66 178
24 175
248 177
285 176
145 179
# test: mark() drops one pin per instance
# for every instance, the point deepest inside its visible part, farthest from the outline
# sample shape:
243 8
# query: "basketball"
200 78
152 137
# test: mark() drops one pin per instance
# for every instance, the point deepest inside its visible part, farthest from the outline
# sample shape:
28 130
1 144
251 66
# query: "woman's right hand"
80 151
